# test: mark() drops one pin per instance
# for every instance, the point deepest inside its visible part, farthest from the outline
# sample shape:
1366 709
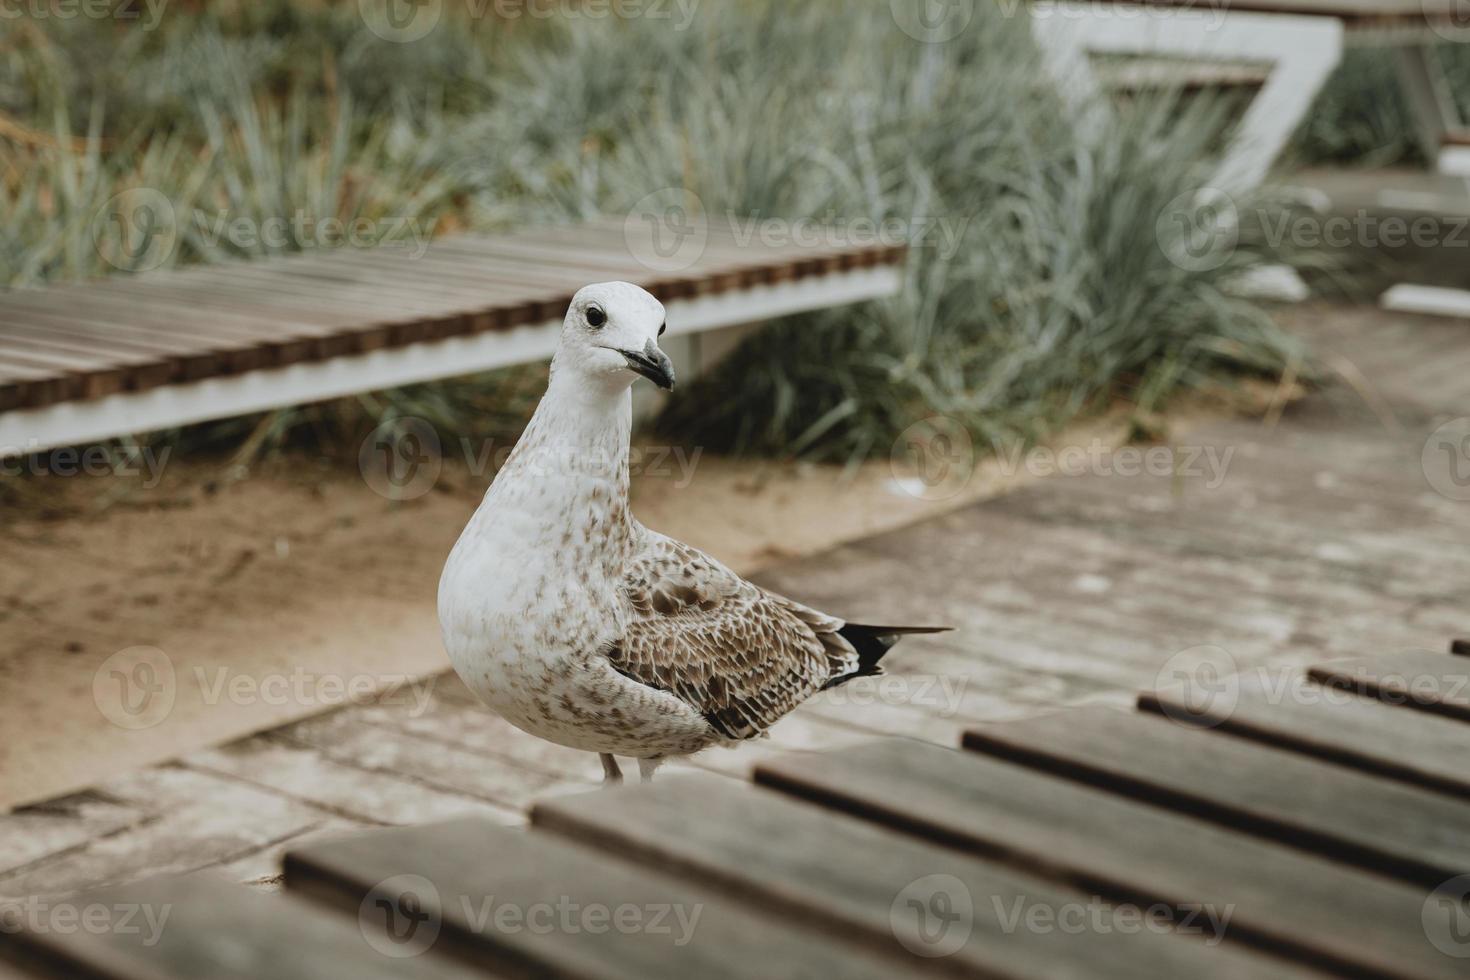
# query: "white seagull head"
610 335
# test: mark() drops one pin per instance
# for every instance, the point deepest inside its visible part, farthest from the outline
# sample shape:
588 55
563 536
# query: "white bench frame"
1302 50
720 319
1303 47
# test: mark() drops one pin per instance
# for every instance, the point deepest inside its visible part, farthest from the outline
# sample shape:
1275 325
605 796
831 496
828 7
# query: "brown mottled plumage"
740 655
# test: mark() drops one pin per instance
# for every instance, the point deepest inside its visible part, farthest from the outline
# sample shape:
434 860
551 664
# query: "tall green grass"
1056 296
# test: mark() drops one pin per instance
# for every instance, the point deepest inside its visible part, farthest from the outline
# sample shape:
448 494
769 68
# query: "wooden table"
1281 824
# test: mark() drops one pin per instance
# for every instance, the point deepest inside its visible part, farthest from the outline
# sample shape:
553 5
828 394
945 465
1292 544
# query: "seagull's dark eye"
662 328
595 316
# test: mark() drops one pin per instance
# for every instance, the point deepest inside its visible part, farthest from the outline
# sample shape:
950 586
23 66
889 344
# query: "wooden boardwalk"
1321 536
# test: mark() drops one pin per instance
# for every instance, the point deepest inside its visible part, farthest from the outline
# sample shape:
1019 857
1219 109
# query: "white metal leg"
1435 112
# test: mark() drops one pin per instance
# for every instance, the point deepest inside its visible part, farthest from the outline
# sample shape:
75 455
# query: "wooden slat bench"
1089 843
133 354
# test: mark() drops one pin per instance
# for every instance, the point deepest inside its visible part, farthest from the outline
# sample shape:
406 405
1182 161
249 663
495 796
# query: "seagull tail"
871 643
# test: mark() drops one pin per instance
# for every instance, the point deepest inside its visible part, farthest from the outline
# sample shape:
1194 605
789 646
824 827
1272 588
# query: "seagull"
581 626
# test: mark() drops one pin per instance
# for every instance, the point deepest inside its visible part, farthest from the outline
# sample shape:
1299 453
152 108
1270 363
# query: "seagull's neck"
567 478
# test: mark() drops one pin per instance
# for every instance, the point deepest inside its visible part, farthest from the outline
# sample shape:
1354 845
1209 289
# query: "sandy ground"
209 606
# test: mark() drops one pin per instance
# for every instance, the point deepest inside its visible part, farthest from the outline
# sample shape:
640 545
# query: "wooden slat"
1323 913
67 333
1301 715
209 928
492 888
1414 834
845 876
1423 681
194 329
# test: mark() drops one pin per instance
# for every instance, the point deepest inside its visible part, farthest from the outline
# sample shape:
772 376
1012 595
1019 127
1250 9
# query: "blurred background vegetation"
1057 300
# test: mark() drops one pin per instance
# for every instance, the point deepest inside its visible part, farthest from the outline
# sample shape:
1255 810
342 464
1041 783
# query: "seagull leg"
647 767
611 774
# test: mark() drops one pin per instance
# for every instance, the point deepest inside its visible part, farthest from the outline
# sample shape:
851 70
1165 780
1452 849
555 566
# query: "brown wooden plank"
410 318
1422 681
147 368
202 926
70 382
62 332
1460 648
114 305
22 386
190 325
1298 714
1414 834
340 330
445 285
1322 913
801 861
485 887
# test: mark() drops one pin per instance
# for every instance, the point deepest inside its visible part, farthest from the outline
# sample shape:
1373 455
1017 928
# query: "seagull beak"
652 363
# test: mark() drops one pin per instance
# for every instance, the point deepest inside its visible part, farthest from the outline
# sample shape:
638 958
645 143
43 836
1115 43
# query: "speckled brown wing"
740 655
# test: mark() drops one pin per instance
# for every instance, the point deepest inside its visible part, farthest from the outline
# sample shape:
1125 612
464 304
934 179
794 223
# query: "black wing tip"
871 643
900 630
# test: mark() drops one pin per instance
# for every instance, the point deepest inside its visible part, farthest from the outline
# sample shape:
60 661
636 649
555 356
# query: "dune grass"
1040 282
